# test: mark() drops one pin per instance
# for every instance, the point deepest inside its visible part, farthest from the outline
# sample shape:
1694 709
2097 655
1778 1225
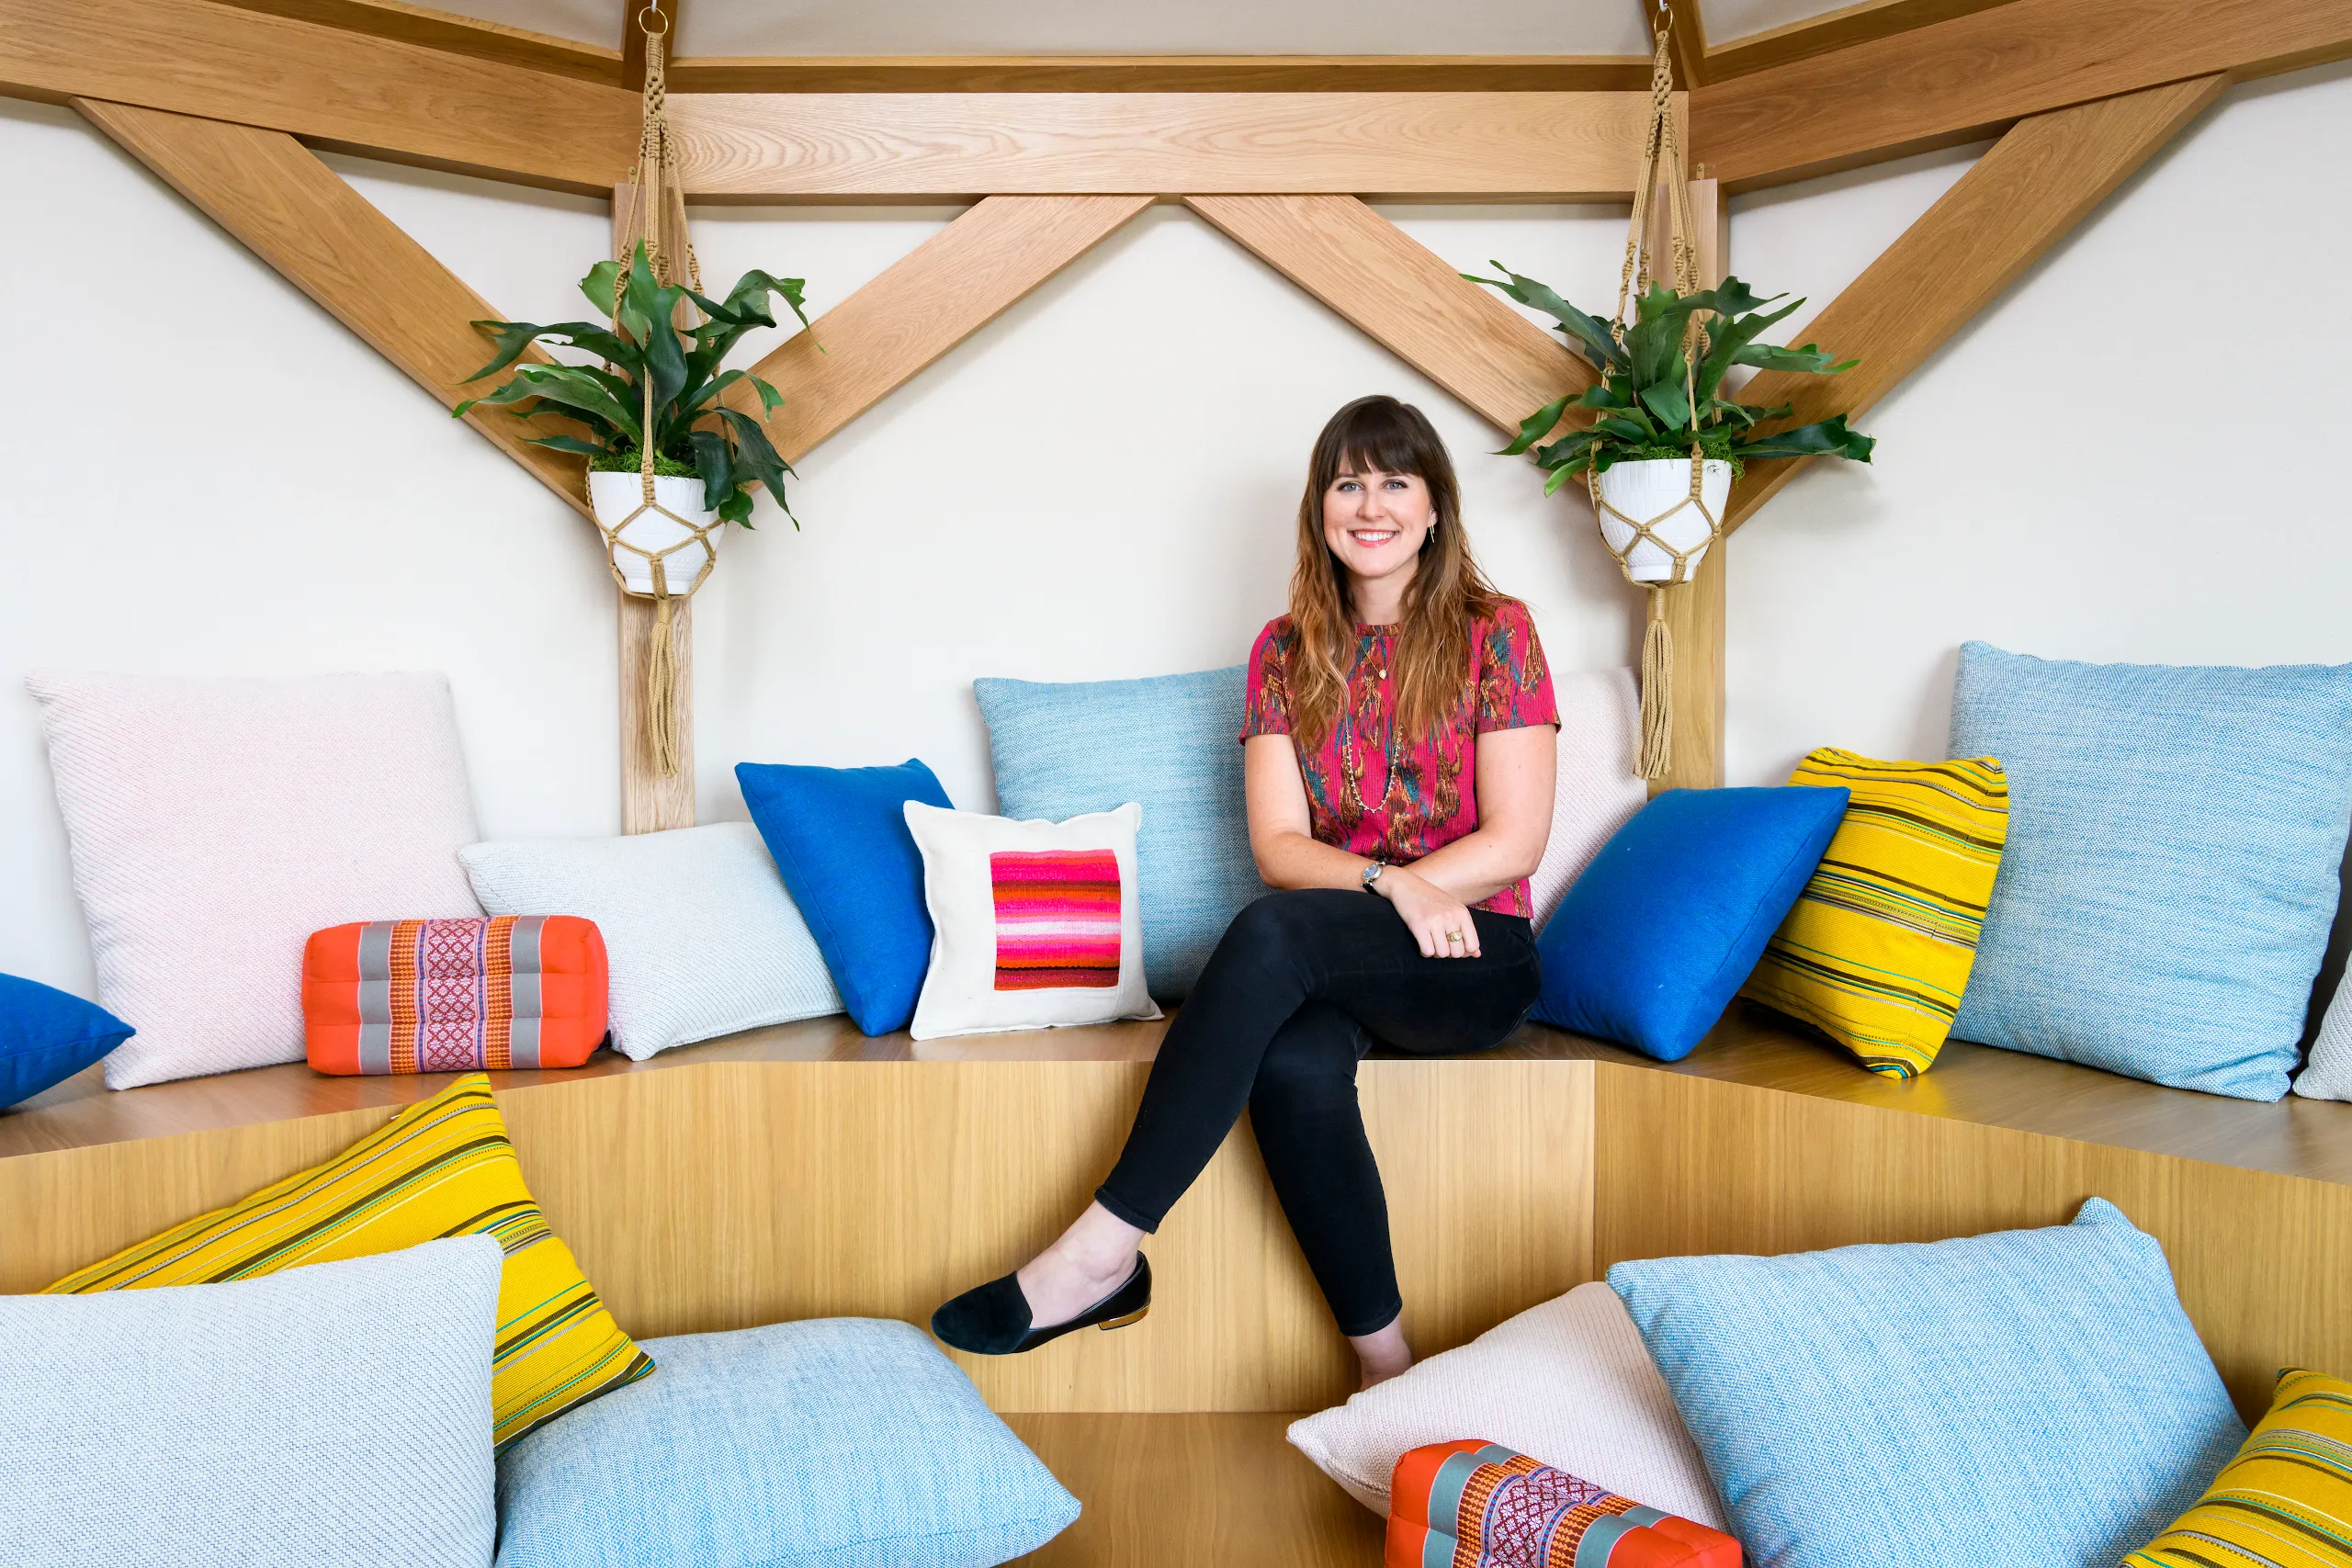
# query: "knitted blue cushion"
47 1036
840 1442
1663 927
1065 749
839 835
2175 837
2030 1397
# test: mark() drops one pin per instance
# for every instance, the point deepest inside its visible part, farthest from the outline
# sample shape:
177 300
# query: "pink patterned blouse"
1370 794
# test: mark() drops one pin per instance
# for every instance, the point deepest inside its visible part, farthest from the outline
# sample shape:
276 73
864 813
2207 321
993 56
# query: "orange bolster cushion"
1479 1505
454 996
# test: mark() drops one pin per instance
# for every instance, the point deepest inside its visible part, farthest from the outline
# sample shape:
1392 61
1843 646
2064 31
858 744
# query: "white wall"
210 475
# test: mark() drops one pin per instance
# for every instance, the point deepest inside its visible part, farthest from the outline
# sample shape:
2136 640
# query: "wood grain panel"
378 96
1175 1491
1833 30
1958 80
651 800
1695 612
1461 337
451 34
730 1193
2024 195
1689 1166
922 306
326 239
1558 146
1167 73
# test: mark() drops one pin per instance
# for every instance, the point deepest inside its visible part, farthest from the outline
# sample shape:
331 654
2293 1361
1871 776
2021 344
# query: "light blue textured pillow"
2034 1398
1063 749
2174 835
329 1416
844 1442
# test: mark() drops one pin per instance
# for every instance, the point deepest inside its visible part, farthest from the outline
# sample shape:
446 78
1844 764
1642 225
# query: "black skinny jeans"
1303 985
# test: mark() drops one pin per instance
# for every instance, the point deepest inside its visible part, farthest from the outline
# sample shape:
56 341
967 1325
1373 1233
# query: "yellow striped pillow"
1878 948
2285 1501
443 1167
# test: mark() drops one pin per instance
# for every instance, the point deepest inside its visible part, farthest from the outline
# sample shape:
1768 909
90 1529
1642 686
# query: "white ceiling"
1143 27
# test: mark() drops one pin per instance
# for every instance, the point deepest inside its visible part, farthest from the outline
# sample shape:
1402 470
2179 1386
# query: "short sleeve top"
1374 796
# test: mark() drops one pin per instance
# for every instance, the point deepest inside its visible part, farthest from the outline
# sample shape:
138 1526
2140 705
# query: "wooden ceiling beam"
451 34
2024 195
825 146
1167 73
922 306
382 96
326 239
1464 338
1865 22
1974 75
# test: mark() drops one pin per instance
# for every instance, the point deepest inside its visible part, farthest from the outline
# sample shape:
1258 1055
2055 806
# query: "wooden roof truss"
226 99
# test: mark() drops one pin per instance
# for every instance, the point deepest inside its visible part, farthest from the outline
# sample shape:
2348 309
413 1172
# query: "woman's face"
1375 521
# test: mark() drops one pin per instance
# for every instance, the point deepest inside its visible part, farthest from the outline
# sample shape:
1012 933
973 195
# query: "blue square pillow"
839 838
1653 940
1065 749
47 1036
2032 1396
2174 837
840 1442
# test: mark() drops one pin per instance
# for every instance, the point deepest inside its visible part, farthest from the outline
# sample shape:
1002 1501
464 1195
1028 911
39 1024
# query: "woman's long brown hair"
1432 655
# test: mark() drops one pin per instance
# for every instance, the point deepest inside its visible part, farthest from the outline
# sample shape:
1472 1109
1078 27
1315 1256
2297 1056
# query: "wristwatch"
1371 874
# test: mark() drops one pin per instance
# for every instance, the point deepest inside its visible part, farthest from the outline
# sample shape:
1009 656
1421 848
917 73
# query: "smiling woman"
1398 741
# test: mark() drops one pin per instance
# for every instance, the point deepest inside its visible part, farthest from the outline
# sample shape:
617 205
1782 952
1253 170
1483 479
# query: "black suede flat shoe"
993 1319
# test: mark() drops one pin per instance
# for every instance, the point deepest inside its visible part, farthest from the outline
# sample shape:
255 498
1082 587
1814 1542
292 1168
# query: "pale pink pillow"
1569 1381
215 824
1600 720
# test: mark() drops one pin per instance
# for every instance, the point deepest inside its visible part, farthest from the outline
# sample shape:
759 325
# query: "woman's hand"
1440 923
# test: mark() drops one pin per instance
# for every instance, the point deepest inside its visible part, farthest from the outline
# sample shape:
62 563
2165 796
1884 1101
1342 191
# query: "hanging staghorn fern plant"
692 435
1644 399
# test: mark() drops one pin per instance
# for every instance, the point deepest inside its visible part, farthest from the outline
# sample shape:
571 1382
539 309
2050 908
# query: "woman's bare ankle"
1383 1354
1085 1263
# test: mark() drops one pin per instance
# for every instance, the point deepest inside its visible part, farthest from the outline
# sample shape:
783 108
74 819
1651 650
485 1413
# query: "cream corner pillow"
214 824
2328 1075
1035 924
1598 792
700 935
1569 1383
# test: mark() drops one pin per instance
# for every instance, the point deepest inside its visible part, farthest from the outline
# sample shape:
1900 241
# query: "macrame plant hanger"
659 190
1661 151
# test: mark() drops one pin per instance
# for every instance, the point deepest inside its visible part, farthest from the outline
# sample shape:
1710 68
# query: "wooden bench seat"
806 1170
1970 1083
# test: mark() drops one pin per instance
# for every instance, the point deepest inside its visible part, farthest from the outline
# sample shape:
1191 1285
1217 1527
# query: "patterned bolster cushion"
1477 1504
454 996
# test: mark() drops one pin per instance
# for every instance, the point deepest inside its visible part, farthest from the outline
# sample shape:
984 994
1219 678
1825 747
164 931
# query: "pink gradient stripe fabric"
1056 918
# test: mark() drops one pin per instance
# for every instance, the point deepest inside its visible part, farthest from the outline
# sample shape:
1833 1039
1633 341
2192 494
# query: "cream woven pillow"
1597 793
1569 1383
1035 924
215 824
701 936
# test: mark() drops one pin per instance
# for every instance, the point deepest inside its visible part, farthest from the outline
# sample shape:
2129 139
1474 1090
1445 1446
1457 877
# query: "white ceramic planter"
615 496
1644 490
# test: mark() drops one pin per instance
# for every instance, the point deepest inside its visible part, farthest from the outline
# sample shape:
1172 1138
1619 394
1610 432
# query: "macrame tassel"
1658 692
662 690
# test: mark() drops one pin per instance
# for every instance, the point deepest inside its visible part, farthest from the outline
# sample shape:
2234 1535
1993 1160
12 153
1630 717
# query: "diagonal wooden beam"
1841 28
451 34
1466 338
328 241
1974 75
924 304
2020 198
334 88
